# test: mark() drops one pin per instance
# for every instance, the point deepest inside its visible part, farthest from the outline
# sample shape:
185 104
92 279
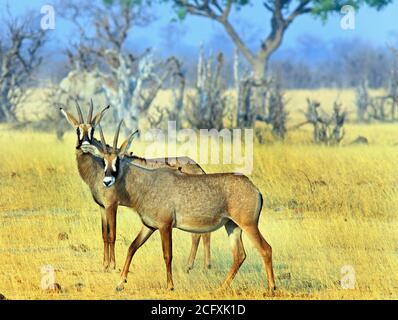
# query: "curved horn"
103 142
98 117
117 136
126 144
79 112
90 111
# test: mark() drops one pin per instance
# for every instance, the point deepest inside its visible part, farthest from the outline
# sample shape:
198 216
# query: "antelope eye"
91 133
79 133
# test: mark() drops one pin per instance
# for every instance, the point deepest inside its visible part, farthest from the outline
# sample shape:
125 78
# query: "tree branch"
18 59
238 42
300 9
204 10
227 10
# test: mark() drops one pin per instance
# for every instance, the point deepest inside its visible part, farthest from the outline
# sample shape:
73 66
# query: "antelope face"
111 169
85 134
84 129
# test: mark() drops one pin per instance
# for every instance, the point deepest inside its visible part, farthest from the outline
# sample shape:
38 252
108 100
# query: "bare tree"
380 108
207 107
173 112
178 87
276 113
20 57
337 120
392 89
272 110
328 129
130 83
245 115
362 100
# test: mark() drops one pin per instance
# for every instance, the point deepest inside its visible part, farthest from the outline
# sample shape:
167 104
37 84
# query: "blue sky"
377 28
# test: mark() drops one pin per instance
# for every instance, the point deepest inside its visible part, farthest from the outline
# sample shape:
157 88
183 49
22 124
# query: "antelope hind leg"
238 251
194 250
265 251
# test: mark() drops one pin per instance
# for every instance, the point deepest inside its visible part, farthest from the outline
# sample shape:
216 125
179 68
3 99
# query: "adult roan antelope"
165 199
91 171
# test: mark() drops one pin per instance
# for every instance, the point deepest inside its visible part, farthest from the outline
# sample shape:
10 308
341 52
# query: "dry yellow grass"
344 214
325 207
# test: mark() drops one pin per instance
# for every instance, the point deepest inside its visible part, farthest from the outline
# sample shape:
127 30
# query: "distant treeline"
342 64
309 65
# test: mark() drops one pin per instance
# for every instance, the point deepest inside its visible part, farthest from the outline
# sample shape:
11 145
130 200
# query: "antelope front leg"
111 212
166 236
105 231
142 236
206 245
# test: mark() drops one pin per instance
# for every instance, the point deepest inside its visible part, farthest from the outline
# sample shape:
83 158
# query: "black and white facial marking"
111 169
85 134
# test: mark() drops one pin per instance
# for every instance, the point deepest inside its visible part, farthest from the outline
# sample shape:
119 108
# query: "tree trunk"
250 92
259 88
6 115
259 69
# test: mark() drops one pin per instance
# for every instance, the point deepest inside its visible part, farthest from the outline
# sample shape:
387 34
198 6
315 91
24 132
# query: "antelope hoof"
120 286
106 268
271 291
170 288
222 289
208 266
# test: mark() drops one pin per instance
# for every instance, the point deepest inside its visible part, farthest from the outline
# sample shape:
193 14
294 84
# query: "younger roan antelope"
91 171
165 199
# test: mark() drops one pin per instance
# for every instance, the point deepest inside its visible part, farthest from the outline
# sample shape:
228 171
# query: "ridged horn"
79 112
115 140
103 142
90 111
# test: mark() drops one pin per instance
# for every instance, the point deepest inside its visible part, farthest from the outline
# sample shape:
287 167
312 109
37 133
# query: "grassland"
325 207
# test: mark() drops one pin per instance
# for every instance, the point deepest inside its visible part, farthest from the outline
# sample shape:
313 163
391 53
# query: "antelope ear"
98 117
127 143
71 119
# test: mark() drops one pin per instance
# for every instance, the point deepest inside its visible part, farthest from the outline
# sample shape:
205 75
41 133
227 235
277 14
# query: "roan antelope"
91 170
166 199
